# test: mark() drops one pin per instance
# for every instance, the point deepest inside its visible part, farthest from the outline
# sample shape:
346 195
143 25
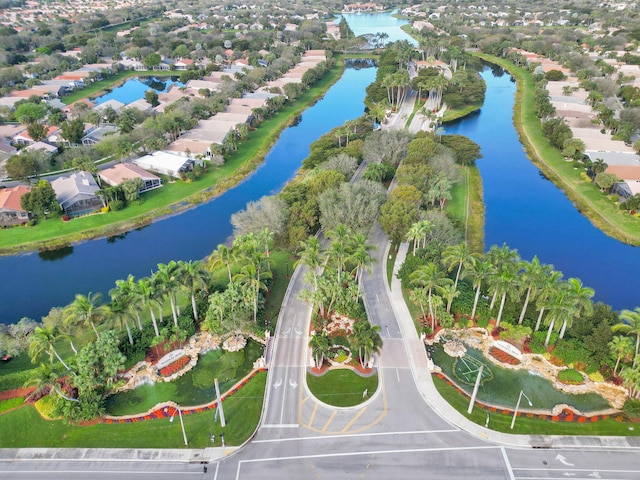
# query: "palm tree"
631 378
533 277
319 344
193 275
502 257
167 278
266 237
630 325
45 379
449 293
559 307
429 277
546 292
580 297
311 257
420 296
120 315
457 256
505 285
223 255
413 234
620 347
366 338
251 280
479 272
42 341
361 257
337 255
86 310
147 296
124 294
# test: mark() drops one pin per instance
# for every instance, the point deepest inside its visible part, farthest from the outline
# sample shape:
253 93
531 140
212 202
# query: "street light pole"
184 434
515 414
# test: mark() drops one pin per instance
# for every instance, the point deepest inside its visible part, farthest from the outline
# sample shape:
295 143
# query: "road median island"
587 198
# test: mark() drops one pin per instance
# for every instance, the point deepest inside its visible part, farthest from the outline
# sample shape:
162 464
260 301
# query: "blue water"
363 23
134 89
40 281
530 214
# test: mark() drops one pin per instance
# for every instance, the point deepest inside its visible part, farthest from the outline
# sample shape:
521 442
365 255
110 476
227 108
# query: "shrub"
571 377
116 205
14 380
571 351
47 406
632 408
65 218
105 209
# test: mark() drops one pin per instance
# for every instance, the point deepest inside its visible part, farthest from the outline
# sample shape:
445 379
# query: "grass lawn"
457 113
531 426
342 388
171 197
24 427
601 211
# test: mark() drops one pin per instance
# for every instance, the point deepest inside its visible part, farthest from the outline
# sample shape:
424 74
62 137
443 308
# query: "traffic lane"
66 469
574 464
379 462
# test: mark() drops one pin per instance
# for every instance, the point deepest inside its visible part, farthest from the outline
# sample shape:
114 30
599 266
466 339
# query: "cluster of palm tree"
335 279
150 294
501 274
347 258
623 348
246 286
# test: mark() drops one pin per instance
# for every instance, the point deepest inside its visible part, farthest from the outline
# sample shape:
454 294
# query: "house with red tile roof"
11 212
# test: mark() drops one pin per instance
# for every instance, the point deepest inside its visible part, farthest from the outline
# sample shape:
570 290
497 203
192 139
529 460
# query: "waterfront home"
94 134
11 211
76 193
120 172
167 163
630 179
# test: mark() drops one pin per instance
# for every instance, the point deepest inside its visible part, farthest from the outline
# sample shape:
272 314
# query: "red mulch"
18 392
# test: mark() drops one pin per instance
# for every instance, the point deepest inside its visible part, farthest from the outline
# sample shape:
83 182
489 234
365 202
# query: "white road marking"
563 461
292 383
328 437
277 384
398 375
507 463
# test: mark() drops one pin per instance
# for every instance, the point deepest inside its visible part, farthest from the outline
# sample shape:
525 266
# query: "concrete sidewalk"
424 381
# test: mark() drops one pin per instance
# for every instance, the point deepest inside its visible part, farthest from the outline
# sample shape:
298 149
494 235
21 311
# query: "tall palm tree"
413 235
252 283
580 296
560 306
502 257
147 296
420 296
120 315
630 325
266 237
505 284
361 257
458 257
319 344
620 347
429 277
222 256
337 255
193 276
534 275
631 378
311 257
124 294
546 293
167 277
479 272
86 310
43 340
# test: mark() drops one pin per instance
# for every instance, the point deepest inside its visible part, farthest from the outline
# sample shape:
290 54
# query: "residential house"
120 172
630 179
11 212
95 134
167 163
76 194
183 64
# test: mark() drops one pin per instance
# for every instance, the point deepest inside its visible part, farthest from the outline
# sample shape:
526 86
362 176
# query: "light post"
515 414
184 434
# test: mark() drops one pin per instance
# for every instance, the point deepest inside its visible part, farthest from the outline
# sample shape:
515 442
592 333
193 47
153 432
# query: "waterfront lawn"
601 211
342 387
171 197
530 426
24 427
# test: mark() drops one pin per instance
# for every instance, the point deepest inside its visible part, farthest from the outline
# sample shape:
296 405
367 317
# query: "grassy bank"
172 197
530 426
458 113
25 428
601 211
467 207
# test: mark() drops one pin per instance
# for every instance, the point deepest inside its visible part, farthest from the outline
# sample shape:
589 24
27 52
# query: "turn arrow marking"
277 384
563 460
292 383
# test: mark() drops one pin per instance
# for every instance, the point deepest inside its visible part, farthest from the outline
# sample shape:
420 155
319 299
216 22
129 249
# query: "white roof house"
76 193
166 163
120 172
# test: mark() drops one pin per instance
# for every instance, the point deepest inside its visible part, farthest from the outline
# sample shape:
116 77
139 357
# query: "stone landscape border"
169 408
